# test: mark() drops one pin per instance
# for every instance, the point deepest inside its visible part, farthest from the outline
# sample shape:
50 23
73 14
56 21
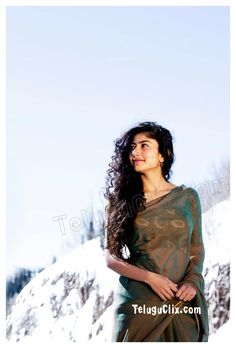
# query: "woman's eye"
133 147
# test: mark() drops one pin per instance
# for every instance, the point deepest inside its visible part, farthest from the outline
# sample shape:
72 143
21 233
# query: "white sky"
78 77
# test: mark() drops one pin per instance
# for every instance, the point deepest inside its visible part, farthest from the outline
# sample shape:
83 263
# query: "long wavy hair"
124 188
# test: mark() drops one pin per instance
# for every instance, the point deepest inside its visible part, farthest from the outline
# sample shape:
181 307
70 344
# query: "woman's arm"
126 269
123 268
163 286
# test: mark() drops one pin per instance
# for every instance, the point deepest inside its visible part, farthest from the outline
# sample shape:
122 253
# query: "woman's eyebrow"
140 142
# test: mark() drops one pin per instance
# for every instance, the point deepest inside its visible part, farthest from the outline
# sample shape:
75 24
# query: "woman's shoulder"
189 189
191 193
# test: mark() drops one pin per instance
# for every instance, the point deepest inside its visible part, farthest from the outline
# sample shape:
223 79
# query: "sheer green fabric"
167 239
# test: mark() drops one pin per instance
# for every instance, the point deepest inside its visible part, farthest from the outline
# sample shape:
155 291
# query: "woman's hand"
186 292
163 286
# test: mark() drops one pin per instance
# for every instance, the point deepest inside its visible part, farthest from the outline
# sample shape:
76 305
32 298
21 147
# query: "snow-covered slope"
217 241
68 301
217 234
224 334
72 300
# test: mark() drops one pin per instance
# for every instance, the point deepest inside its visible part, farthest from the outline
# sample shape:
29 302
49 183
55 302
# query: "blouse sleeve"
197 251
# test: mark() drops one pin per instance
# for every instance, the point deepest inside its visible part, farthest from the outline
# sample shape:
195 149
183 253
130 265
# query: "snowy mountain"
72 300
68 301
217 241
216 234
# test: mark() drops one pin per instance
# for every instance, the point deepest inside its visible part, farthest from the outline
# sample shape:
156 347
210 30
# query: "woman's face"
144 154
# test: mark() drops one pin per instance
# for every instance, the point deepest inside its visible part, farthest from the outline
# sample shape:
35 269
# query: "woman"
154 241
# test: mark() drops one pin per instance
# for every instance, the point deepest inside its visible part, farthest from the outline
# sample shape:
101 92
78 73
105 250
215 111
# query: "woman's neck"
154 183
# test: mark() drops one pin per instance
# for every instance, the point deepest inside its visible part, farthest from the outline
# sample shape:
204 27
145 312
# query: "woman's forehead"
143 136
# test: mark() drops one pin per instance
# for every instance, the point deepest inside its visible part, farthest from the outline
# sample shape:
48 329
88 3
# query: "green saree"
167 239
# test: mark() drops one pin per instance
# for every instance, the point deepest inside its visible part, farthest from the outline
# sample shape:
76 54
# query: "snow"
217 228
223 335
52 305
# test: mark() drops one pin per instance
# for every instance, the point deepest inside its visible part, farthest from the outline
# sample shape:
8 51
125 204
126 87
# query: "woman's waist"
169 264
130 290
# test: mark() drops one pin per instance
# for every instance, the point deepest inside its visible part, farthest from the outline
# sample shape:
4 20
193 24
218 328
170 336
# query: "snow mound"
66 302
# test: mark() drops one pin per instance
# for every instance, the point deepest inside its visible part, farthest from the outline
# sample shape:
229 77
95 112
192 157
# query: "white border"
204 3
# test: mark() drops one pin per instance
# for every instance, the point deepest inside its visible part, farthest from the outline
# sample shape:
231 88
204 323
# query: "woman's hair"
124 189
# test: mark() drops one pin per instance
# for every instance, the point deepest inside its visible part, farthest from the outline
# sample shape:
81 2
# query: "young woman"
154 241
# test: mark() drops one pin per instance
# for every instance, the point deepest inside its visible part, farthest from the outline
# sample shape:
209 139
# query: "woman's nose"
134 152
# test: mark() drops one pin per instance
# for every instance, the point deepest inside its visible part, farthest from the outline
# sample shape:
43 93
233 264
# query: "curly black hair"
124 189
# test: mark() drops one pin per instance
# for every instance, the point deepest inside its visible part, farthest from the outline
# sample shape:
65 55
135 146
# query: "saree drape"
166 239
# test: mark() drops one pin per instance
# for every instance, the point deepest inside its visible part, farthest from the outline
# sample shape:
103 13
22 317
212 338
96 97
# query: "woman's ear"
161 158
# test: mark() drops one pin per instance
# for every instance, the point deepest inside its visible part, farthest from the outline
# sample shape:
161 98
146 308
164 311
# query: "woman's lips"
138 161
